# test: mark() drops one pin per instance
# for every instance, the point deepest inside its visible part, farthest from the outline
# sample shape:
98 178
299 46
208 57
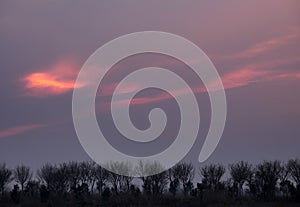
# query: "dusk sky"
254 45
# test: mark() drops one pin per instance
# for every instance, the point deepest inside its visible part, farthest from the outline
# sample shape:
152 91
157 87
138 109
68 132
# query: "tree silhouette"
85 172
173 175
56 178
74 175
72 183
116 176
240 173
5 177
267 174
46 176
212 175
186 175
293 167
156 182
101 175
61 179
22 175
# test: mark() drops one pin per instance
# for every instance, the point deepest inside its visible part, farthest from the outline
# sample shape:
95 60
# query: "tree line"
80 181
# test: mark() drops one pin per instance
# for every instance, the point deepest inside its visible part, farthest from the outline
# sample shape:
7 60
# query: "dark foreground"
219 199
269 183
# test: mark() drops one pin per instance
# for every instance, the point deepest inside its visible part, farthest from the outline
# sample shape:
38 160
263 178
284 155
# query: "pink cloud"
53 81
260 72
251 73
108 89
105 106
19 130
287 76
267 45
243 77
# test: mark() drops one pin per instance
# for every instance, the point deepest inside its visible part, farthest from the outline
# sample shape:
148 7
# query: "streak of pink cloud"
267 45
108 89
243 77
19 129
252 73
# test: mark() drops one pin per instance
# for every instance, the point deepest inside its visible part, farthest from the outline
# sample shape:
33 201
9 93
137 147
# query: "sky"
254 45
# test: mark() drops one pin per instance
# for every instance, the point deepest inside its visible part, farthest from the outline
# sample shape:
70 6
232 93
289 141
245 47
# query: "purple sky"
255 46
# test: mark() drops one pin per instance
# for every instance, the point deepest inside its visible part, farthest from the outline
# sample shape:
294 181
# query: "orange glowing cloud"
57 80
19 130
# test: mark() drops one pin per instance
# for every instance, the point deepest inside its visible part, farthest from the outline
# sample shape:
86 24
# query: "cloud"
19 130
246 75
56 80
108 89
243 77
260 72
267 45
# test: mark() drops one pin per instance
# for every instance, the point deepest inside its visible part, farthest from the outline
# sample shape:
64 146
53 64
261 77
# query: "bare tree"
286 186
92 179
186 175
101 175
267 174
173 176
5 177
56 178
22 175
293 167
212 175
142 170
61 178
85 172
74 174
45 175
240 173
87 176
117 178
156 182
